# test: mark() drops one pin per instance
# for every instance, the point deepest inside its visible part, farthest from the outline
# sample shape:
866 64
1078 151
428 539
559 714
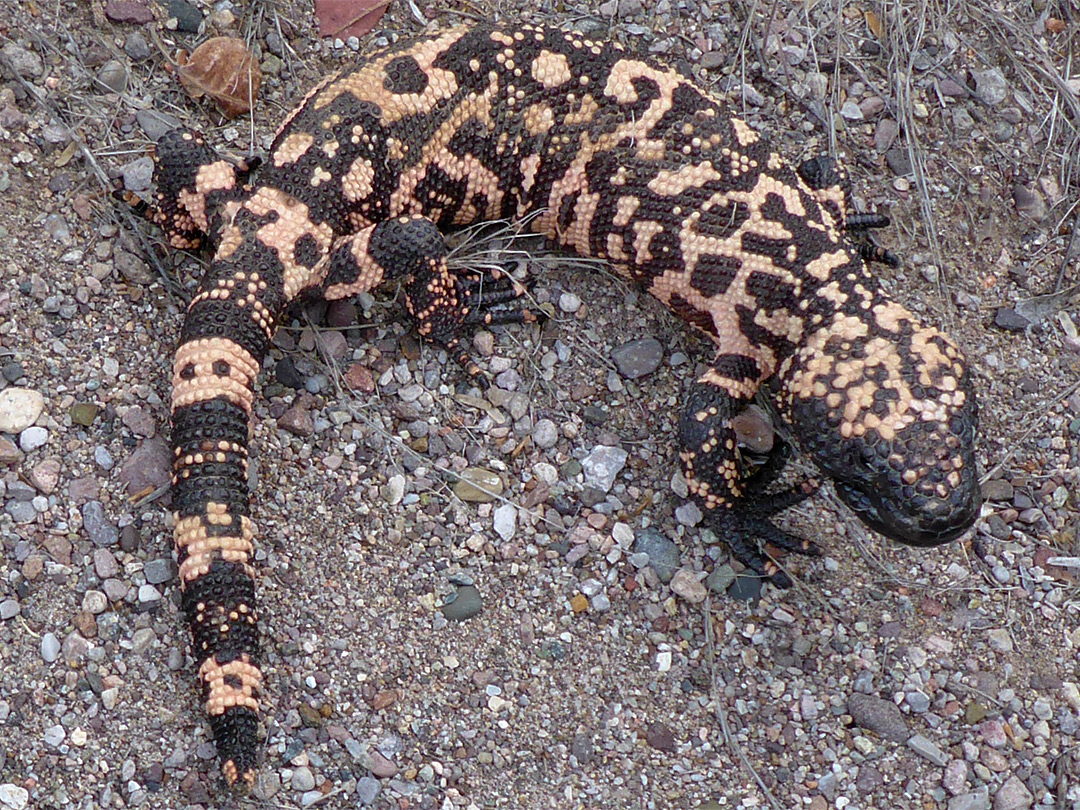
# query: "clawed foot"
488 300
747 528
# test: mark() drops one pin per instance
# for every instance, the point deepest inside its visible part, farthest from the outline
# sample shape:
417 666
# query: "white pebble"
19 408
32 438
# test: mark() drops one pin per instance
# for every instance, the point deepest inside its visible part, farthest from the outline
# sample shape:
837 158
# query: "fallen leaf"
1054 25
224 69
873 22
348 18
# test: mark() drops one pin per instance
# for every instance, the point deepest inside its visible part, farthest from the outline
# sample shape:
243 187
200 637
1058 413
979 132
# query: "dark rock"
880 716
287 373
638 358
128 11
660 737
1010 320
149 467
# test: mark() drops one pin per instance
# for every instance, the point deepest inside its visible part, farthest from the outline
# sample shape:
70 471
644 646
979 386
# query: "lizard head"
885 408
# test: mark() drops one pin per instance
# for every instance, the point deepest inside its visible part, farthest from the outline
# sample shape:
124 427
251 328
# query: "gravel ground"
504 601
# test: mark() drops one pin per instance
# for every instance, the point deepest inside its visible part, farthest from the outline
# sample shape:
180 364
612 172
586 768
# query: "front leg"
442 305
729 495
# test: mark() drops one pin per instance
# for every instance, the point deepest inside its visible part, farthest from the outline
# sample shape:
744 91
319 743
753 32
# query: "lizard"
612 155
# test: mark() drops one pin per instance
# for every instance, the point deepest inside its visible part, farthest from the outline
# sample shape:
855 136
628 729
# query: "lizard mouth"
918 521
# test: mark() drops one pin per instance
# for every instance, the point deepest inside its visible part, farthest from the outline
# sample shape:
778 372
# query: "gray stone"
103 458
32 438
101 531
927 750
602 465
54 735
568 302
148 594
638 358
918 702
21 511
505 521
990 85
720 579
545 434
976 800
112 76
9 609
303 779
463 604
368 789
138 174
1013 795
50 648
136 46
664 556
143 638
159 571
22 62
155 124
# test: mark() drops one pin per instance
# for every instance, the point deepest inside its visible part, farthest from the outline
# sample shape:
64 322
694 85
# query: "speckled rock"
602 465
99 528
638 358
19 408
149 467
880 716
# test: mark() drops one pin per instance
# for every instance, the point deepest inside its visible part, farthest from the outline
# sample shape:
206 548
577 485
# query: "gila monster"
615 156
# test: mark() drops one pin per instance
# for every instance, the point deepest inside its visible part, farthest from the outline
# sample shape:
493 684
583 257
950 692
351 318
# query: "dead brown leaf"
223 69
873 22
348 18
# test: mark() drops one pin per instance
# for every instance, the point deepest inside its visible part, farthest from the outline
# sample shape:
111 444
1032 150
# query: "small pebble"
602 465
102 532
545 434
368 789
686 584
1013 795
478 485
568 302
465 603
19 408
661 553
54 735
159 571
505 521
302 779
50 648
927 749
638 358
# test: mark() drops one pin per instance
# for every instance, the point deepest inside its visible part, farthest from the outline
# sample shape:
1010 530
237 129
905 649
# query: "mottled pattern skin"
620 158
